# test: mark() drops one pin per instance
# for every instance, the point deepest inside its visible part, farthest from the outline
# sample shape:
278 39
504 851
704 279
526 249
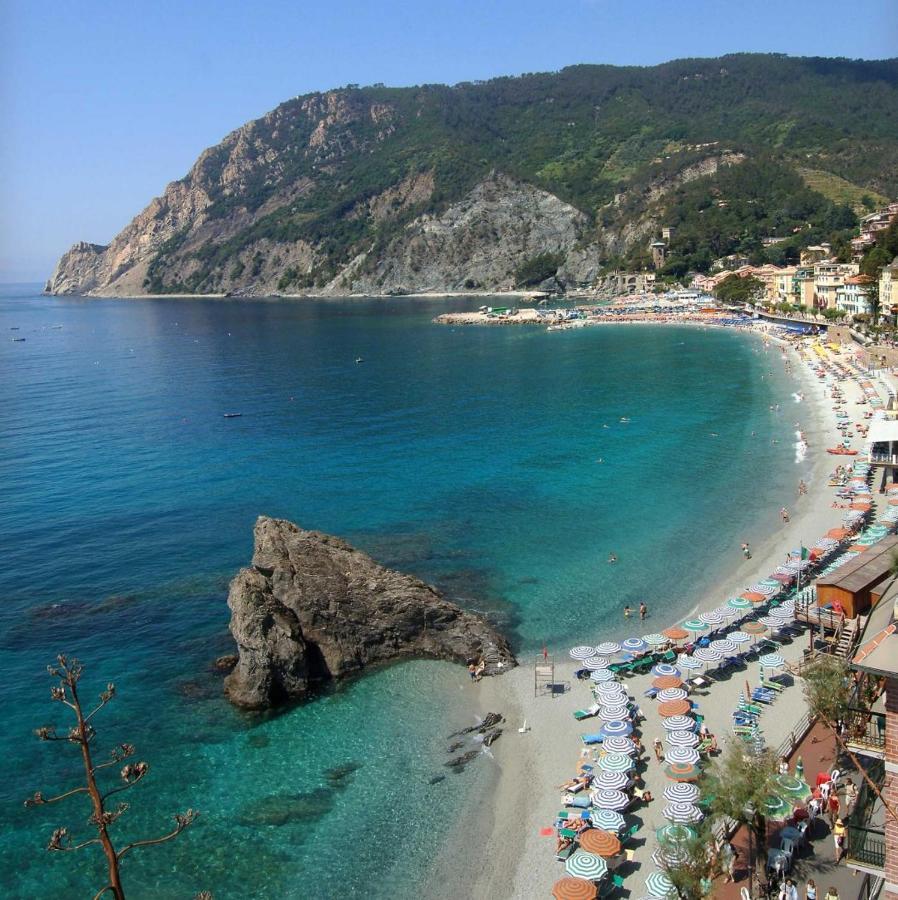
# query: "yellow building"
888 288
829 276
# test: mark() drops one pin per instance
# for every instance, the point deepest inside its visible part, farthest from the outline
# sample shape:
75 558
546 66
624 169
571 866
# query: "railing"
866 847
795 736
866 730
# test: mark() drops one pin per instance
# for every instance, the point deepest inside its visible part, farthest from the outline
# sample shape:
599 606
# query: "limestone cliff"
312 609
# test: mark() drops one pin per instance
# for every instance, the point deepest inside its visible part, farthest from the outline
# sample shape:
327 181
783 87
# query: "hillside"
492 184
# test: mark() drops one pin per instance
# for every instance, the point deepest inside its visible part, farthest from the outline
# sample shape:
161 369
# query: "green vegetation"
588 134
538 269
734 289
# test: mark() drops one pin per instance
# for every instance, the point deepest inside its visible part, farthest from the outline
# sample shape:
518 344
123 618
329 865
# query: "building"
855 296
659 252
856 586
829 276
783 285
667 232
803 286
815 254
871 226
888 288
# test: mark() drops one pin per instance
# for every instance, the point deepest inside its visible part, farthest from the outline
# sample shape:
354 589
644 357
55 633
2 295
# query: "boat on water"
233 415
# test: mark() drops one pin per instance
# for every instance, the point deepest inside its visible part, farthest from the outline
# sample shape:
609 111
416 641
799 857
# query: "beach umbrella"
596 662
676 633
682 739
682 812
607 819
674 708
772 622
663 682
783 612
611 691
659 885
682 755
607 648
706 654
581 864
711 618
689 662
776 807
615 781
680 792
602 843
739 603
655 639
754 627
683 772
583 652
669 856
792 786
753 596
772 661
613 713
672 693
679 723
665 669
600 675
695 625
739 637
675 833
723 646
617 728
610 799
619 745
615 762
574 889
633 645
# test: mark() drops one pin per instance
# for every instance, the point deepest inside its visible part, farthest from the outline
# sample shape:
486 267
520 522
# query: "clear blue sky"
103 103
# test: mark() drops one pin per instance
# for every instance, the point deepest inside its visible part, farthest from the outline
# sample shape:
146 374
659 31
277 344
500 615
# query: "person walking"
850 796
728 854
831 893
810 890
833 808
643 611
839 838
659 749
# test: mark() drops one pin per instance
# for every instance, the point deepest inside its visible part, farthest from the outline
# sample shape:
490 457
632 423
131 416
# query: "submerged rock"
312 609
283 809
339 774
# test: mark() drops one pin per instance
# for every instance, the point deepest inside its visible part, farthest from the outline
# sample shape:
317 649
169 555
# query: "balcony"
866 826
865 732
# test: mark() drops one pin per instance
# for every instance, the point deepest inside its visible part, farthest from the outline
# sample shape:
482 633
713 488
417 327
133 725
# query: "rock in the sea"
225 663
312 609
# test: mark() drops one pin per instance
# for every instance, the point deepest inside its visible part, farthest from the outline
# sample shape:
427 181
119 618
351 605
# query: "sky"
103 103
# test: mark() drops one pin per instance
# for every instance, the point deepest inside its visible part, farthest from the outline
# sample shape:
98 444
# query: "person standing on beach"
659 749
643 611
746 552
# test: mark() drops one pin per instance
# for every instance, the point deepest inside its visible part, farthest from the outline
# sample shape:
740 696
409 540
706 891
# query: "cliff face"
434 188
312 609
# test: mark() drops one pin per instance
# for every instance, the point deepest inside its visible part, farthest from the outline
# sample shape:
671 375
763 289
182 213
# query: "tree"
734 289
827 689
740 783
68 673
690 864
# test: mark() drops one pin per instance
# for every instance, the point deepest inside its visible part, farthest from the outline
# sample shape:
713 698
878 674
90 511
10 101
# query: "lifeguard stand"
543 674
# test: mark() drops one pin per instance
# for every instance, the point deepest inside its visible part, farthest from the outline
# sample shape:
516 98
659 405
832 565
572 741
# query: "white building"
854 295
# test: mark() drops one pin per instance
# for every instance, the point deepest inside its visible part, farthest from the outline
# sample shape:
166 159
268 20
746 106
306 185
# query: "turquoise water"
467 456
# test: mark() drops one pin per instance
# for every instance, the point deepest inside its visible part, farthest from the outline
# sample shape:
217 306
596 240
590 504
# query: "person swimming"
612 557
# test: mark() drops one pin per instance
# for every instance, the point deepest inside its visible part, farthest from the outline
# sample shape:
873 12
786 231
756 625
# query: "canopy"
682 755
633 645
682 772
607 819
615 781
583 652
695 625
665 669
674 708
574 889
655 639
739 603
675 833
614 713
659 885
619 745
596 662
607 648
672 693
600 675
676 633
615 762
605 798
679 723
663 682
682 812
682 739
772 661
586 865
679 792
723 646
738 637
602 843
754 627
617 728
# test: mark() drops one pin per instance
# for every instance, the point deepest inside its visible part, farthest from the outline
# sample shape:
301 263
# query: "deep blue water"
467 456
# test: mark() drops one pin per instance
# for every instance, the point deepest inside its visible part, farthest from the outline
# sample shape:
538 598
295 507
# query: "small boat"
841 450
233 415
359 359
18 340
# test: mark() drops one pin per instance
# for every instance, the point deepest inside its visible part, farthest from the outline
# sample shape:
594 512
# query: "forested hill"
493 184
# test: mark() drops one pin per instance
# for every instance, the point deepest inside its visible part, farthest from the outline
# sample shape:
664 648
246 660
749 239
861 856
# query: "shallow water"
467 456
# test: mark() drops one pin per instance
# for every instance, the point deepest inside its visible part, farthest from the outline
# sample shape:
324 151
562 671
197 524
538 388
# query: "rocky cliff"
312 609
487 186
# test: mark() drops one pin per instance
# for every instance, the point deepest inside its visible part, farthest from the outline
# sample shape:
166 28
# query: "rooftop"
868 567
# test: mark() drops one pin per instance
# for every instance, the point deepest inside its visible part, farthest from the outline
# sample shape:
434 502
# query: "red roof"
872 644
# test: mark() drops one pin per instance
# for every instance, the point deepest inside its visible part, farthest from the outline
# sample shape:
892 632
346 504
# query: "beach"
501 843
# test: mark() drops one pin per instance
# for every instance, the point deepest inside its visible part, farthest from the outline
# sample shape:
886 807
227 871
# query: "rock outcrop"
312 609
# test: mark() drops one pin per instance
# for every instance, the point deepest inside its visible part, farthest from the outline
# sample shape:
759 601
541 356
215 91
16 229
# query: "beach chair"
587 713
596 738
565 852
772 685
651 693
669 656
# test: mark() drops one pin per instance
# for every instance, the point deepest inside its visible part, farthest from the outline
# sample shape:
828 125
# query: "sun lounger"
581 802
772 685
596 738
587 713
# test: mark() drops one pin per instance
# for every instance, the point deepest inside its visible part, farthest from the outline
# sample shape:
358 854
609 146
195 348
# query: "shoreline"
499 836
426 295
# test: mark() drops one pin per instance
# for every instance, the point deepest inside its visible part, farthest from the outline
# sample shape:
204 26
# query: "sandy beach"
503 852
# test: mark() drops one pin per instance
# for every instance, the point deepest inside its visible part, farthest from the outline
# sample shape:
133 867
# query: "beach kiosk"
883 439
858 585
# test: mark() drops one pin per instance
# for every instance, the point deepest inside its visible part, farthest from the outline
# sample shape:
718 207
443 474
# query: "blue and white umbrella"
772 622
655 639
689 662
596 662
725 611
666 694
682 813
619 745
678 723
659 885
669 856
681 792
772 661
707 655
613 781
710 618
617 728
583 652
607 648
738 637
610 799
633 645
681 739
611 692
614 762
723 646
782 612
600 675
612 713
607 820
589 866
665 669
682 756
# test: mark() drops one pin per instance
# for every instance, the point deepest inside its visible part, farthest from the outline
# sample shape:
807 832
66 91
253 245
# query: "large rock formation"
311 608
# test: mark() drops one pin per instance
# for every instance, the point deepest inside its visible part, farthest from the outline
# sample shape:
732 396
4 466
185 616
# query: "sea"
504 464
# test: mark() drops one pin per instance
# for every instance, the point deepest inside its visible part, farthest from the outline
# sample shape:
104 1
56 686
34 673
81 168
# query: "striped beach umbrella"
600 675
672 694
583 652
783 612
633 645
739 603
675 833
683 772
680 792
695 625
754 627
659 885
771 661
615 762
686 813
738 637
655 639
706 654
723 646
602 843
663 682
607 819
679 723
681 739
615 781
776 807
590 866
682 755
613 713
612 691
574 889
617 728
669 855
596 662
607 648
689 662
772 622
610 799
674 708
665 669
792 786
711 618
619 745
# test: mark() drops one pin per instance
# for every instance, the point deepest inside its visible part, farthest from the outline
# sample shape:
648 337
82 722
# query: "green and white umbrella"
675 832
792 786
607 820
739 603
655 640
772 661
739 637
776 807
695 625
590 866
615 762
658 884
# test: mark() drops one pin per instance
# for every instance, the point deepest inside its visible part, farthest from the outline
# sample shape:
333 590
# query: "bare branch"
102 891
61 840
39 799
182 820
